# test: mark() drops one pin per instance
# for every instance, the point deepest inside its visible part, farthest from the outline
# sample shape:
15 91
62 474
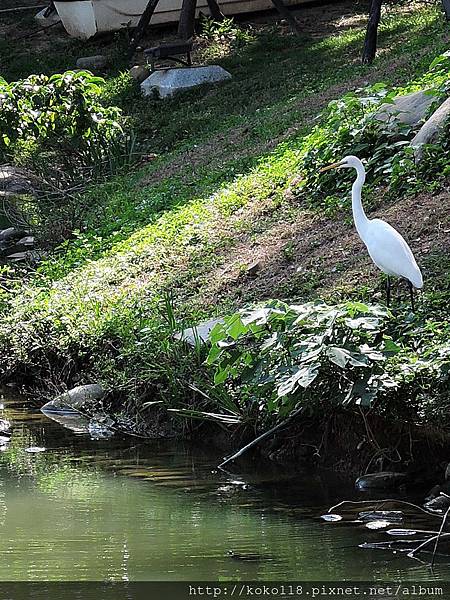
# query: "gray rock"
200 332
9 234
15 181
92 63
140 73
166 83
31 256
385 480
438 505
4 425
409 109
447 472
76 398
431 130
28 240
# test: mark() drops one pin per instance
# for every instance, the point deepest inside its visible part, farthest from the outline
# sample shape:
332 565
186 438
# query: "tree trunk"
142 25
446 5
370 43
286 14
215 11
187 19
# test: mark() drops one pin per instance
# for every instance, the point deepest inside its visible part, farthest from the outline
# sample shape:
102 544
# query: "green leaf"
303 377
338 356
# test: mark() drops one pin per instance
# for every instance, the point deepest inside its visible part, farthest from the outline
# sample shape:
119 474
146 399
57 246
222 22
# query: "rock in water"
385 480
407 110
76 398
168 82
438 505
431 130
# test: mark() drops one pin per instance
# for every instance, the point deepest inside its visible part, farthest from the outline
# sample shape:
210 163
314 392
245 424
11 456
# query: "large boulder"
165 83
77 398
410 109
431 130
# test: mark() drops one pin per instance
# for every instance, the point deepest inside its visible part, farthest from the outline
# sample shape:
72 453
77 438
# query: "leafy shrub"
282 354
347 126
63 112
61 130
276 356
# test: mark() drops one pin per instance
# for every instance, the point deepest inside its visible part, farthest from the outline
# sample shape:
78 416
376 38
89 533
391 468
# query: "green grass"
225 158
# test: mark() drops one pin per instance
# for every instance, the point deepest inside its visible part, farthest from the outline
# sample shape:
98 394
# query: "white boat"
84 18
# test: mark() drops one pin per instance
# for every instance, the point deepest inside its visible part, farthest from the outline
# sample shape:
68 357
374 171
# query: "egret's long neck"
359 216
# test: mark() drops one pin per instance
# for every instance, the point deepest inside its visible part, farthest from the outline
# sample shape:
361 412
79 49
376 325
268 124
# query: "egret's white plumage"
385 245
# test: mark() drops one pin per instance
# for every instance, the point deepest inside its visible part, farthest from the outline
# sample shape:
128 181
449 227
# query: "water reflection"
117 510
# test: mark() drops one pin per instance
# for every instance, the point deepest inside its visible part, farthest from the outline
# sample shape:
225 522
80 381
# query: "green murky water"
109 510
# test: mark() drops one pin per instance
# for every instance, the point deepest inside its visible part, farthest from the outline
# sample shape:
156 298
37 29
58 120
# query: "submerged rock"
438 505
385 480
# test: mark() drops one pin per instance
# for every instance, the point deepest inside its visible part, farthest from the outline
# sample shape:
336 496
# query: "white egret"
385 245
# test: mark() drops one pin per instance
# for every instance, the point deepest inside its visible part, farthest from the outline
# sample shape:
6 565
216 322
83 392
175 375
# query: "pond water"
127 511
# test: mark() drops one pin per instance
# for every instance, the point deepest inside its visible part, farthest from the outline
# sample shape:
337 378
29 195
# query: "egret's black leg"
388 290
411 295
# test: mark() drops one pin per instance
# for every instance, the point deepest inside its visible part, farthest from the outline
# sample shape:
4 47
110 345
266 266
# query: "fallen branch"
262 437
17 8
426 542
439 535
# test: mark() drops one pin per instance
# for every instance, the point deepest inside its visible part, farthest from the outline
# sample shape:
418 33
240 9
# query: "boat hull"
84 18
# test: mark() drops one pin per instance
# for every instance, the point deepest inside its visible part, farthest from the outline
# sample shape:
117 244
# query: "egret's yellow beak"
332 166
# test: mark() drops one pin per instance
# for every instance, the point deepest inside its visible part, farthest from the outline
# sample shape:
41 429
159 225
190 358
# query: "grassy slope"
190 221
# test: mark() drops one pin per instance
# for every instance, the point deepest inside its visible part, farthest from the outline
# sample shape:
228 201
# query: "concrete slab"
168 82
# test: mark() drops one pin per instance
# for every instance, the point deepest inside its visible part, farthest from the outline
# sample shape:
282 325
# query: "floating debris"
248 556
35 449
380 524
393 516
331 518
